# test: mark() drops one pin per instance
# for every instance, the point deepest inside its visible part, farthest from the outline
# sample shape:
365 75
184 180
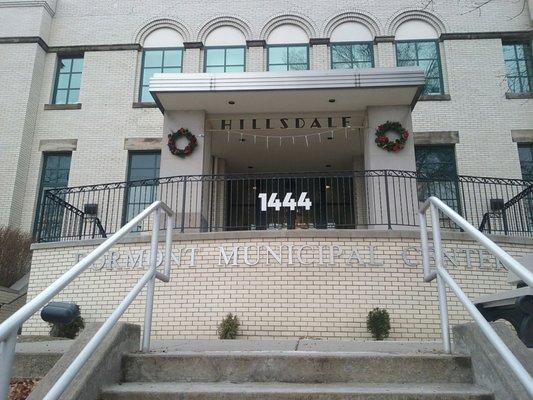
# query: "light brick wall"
473 74
280 301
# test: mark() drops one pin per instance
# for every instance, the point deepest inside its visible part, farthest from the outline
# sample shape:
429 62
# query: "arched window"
417 45
163 52
352 46
288 48
225 49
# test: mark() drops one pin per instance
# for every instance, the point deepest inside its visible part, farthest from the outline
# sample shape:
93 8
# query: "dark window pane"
342 66
427 50
297 67
525 153
68 77
341 53
298 54
362 52
406 51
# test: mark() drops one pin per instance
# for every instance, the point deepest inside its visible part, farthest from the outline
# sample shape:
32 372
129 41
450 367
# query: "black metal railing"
334 200
513 217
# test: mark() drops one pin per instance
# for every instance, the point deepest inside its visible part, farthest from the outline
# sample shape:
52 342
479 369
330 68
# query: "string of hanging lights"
269 139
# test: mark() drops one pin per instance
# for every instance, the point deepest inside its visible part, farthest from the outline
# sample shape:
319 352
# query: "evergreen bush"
378 323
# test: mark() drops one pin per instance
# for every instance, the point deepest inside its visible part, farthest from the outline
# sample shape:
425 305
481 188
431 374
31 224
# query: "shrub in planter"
68 331
378 323
15 255
229 327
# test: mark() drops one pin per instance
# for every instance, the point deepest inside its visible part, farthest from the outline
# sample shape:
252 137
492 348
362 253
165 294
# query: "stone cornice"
510 35
49 6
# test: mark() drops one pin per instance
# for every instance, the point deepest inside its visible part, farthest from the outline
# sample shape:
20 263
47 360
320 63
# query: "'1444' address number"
288 202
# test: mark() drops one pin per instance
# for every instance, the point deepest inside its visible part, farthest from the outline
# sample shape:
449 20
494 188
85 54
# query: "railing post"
150 287
41 219
7 356
182 229
441 285
505 222
387 201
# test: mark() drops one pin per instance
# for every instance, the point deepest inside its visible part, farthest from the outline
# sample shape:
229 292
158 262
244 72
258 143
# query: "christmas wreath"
173 138
383 141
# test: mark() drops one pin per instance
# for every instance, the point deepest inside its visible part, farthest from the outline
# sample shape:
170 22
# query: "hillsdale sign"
284 122
291 255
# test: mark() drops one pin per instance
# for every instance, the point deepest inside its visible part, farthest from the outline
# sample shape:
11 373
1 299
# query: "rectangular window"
437 171
519 67
352 55
224 59
525 153
142 167
68 80
55 174
157 61
424 54
288 58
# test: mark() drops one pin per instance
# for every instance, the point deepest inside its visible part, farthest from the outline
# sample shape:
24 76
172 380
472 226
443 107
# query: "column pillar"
392 196
189 196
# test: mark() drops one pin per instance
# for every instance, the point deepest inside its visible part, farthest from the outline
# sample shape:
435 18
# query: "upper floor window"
163 52
351 46
417 45
225 49
288 58
288 49
519 66
68 80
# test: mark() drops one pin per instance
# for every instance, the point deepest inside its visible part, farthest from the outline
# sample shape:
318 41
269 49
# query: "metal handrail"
9 328
444 279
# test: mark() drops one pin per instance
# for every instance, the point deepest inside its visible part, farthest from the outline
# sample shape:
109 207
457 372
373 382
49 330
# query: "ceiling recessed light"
332 100
231 102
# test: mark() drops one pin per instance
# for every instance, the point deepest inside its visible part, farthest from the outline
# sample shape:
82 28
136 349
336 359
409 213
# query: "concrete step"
297 367
292 391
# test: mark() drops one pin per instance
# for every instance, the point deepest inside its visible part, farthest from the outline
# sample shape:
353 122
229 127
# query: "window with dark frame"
519 66
437 173
288 57
55 174
224 59
352 55
154 61
68 80
142 166
426 55
525 154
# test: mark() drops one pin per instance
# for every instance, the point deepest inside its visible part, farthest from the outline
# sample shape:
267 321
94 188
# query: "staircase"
295 375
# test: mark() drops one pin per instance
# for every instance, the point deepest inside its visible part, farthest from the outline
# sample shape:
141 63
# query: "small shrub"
378 323
15 255
229 327
68 331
